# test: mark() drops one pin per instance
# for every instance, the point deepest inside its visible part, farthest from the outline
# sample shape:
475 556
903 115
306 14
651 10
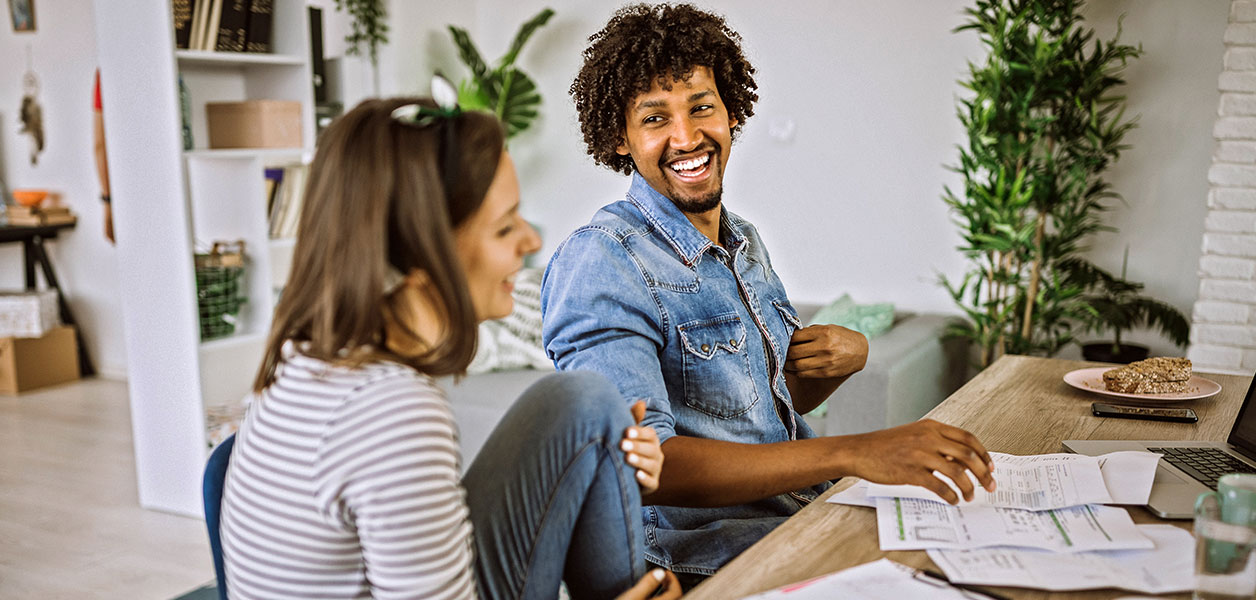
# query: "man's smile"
692 168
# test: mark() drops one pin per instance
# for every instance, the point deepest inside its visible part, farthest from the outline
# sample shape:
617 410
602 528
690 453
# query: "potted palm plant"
1045 120
1115 304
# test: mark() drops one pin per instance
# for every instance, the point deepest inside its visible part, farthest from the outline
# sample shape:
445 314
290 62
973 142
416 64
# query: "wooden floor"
70 521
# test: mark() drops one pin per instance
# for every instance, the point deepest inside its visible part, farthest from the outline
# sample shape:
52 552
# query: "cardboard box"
28 314
254 124
29 363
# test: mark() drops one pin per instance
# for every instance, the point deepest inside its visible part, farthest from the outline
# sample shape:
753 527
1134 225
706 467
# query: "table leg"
28 257
41 256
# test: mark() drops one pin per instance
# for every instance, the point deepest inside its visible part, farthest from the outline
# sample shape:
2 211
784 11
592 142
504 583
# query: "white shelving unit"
172 203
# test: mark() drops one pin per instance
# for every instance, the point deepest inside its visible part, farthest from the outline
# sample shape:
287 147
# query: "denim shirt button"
733 344
706 348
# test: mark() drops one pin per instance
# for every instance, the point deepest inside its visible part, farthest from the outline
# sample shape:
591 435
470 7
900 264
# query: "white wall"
1164 175
63 50
852 203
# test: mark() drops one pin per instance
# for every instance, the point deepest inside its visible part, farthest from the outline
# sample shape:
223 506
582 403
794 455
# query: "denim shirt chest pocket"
716 366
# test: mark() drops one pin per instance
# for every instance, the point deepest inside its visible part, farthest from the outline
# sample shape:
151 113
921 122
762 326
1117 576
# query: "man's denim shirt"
642 297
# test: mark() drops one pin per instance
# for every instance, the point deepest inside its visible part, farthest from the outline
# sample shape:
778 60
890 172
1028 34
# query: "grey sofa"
909 371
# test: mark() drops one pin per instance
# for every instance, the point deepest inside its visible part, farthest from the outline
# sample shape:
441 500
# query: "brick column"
1223 330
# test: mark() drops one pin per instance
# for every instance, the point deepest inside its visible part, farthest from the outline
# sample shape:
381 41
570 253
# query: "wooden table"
1019 405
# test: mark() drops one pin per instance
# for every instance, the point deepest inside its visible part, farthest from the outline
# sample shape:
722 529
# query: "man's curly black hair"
642 44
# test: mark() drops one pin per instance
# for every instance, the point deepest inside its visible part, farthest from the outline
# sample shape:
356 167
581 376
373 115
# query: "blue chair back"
215 476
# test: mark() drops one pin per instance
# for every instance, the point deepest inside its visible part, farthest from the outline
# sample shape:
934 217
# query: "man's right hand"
657 581
909 454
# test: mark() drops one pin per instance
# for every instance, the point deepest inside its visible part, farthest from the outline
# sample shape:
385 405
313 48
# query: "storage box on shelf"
183 200
254 124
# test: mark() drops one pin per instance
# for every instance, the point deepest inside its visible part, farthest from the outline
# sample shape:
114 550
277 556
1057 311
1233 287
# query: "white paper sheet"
1167 568
1033 482
878 580
915 524
1128 475
855 495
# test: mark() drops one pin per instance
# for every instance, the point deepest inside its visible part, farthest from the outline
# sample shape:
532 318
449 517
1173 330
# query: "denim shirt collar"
672 224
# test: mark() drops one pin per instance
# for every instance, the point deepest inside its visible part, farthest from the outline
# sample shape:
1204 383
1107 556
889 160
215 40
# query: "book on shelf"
182 11
261 14
232 25
208 42
274 176
288 198
223 25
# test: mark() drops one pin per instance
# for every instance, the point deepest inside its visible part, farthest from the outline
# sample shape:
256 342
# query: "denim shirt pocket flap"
707 338
788 313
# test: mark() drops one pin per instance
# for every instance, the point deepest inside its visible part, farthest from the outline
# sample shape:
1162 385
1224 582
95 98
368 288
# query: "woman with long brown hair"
344 480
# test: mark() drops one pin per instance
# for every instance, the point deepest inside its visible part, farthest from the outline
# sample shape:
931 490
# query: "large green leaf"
514 98
525 31
469 54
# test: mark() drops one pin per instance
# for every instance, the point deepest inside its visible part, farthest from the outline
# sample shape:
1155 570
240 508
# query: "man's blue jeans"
551 497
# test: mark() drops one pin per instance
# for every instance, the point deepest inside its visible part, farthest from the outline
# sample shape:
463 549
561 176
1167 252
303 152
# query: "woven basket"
218 289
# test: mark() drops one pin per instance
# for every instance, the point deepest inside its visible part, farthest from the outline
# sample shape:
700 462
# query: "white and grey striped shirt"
344 483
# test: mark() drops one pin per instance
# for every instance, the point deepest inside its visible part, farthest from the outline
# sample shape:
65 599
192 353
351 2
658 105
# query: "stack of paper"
1168 568
1045 526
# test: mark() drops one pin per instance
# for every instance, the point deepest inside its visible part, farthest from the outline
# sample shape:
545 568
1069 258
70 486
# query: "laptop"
1188 468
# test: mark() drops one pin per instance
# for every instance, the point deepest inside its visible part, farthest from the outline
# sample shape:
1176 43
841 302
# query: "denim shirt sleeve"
599 315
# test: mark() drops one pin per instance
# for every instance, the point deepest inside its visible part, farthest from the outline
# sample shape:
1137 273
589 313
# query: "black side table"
33 252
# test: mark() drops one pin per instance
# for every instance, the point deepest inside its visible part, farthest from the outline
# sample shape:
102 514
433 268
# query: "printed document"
915 524
878 580
1167 568
1127 475
1034 482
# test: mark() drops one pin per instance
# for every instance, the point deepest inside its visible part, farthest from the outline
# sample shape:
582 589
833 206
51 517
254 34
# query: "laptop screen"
1243 434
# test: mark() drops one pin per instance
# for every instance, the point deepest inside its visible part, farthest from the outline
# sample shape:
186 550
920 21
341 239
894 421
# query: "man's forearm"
808 393
702 472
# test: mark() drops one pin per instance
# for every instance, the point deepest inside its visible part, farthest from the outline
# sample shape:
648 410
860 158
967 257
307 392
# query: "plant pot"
1102 352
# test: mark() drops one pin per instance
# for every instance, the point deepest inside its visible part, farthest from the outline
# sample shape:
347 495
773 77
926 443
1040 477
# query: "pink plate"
1091 380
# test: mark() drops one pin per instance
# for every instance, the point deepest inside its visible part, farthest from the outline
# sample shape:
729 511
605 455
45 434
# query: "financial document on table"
915 524
1169 567
1034 482
1127 475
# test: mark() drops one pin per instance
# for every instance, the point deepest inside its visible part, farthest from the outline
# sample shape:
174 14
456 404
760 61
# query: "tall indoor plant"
1044 122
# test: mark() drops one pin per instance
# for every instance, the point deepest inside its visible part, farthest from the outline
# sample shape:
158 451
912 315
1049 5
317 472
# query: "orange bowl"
30 198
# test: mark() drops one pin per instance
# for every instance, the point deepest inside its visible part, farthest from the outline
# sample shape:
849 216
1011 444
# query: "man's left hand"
826 351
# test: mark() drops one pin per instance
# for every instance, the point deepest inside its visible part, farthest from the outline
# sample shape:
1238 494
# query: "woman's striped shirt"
344 483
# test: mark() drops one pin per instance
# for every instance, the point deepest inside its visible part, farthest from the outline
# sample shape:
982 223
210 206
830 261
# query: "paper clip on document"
939 580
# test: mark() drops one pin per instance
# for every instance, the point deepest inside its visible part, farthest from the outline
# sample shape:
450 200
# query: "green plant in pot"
503 90
1115 304
1045 120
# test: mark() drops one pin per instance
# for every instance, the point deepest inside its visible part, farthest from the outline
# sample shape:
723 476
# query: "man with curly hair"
674 299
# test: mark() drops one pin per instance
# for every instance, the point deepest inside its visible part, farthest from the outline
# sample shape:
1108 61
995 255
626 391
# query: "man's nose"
686 135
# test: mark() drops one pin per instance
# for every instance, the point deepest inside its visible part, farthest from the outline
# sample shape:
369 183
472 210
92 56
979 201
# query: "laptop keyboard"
1206 465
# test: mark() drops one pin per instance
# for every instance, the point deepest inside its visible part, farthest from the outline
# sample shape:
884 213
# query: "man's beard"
699 205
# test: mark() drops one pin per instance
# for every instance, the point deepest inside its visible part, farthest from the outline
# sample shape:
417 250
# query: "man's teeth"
691 164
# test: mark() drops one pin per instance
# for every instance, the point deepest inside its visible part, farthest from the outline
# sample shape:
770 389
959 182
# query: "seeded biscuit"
1159 375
